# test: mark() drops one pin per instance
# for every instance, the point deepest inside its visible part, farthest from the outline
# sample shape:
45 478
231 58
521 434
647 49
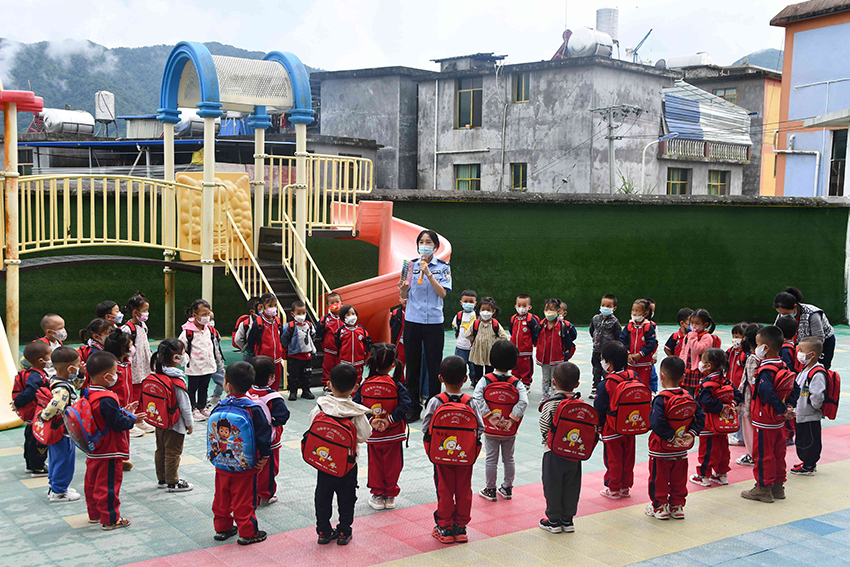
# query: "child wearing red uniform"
523 329
243 325
388 428
279 413
736 358
668 446
555 342
397 332
299 340
37 354
93 336
619 449
264 336
713 447
769 410
699 339
674 344
104 471
353 342
640 340
119 344
55 335
788 352
454 483
326 335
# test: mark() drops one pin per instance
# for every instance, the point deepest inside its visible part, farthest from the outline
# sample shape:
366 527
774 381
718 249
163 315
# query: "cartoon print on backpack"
226 445
450 445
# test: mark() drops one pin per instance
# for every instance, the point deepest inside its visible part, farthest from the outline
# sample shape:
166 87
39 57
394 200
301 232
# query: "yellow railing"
334 185
311 286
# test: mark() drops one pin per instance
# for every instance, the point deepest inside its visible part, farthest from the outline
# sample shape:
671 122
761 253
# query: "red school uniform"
713 447
264 340
279 413
353 345
555 345
619 450
774 390
736 358
326 331
524 331
641 339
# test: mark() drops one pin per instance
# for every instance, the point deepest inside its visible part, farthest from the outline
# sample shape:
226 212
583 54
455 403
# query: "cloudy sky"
346 34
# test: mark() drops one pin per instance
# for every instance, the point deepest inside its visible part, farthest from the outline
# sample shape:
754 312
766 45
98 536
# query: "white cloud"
8 51
64 50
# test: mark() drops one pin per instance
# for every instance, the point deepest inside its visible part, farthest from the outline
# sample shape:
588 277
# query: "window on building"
730 94
677 181
469 100
837 163
468 177
718 182
519 176
521 81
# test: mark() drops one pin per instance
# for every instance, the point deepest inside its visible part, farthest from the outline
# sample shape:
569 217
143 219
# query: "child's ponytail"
165 353
717 358
96 327
136 302
384 355
704 316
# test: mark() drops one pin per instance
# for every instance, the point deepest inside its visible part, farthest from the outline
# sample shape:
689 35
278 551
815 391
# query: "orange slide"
396 242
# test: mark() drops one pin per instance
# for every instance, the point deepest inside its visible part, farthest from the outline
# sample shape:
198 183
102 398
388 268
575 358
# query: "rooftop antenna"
634 51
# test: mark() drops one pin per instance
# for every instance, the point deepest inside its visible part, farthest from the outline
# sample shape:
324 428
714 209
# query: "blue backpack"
231 444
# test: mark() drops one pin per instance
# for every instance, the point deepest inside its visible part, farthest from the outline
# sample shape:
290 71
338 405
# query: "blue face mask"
468 307
606 311
426 251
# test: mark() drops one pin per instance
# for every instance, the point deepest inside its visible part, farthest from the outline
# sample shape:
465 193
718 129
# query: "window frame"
678 182
521 87
523 173
474 183
725 95
838 165
724 178
460 93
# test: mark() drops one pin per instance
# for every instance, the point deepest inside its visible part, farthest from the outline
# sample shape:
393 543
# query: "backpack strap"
189 335
458 321
132 327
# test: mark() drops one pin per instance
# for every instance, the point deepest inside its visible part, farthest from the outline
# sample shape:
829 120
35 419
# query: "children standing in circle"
200 357
699 339
640 339
138 310
353 342
483 334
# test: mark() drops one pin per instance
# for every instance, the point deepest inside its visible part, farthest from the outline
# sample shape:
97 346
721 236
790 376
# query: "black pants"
480 371
298 373
809 443
345 489
35 454
561 486
198 388
828 352
418 338
598 371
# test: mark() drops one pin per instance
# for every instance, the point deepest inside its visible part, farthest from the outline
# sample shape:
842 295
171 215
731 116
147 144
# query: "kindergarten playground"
255 230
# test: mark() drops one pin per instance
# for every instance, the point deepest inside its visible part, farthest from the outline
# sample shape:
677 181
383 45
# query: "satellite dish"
661 64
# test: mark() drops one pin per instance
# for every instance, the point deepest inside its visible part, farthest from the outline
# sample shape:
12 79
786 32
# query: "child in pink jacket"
699 339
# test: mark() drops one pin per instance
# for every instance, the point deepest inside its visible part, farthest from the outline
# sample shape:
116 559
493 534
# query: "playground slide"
396 241
8 418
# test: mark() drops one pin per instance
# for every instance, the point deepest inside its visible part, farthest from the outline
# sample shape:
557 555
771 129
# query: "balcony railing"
701 150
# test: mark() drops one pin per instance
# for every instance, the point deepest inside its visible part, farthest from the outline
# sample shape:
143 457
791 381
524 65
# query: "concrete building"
815 102
757 90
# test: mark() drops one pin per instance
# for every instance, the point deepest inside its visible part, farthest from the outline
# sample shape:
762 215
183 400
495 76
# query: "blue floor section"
819 541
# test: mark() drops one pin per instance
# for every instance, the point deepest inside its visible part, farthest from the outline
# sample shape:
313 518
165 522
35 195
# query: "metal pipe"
169 210
463 151
12 260
643 156
610 150
794 152
207 210
301 196
436 114
259 183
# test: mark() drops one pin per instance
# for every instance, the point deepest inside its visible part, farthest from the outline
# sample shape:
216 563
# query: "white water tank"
104 106
58 121
586 42
696 60
608 21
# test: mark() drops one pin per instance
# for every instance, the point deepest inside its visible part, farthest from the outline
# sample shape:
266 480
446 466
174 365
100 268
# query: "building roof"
697 115
809 10
373 72
489 56
710 72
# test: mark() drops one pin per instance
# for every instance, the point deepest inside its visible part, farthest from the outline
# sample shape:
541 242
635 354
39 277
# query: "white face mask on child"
606 366
803 357
736 343
486 315
701 367
761 351
351 320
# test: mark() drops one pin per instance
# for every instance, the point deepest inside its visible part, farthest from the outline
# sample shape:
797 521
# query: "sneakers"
389 502
606 492
136 432
256 538
506 492
460 533
700 480
308 395
778 490
801 470
760 493
206 411
567 526
57 498
161 484
553 527
660 513
719 479
443 535
213 401
293 396
268 501
121 523
126 466
376 502
677 512
198 416
745 461
735 442
38 473
487 494
180 486
343 538
146 427
592 395
326 538
222 536
625 493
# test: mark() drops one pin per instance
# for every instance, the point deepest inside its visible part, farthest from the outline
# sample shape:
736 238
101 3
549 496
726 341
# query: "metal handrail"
312 285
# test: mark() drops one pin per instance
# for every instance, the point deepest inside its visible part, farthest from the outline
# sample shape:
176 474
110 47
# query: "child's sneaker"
198 416
778 490
343 538
256 538
488 494
38 473
222 536
551 526
625 493
57 498
136 432
126 466
719 479
443 535
700 480
567 526
377 502
213 401
180 486
146 427
161 484
660 513
803 471
606 492
389 502
268 501
460 533
506 492
745 461
677 512
326 538
121 523
592 395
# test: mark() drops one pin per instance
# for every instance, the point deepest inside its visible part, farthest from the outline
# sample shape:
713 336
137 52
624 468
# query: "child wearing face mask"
747 388
812 381
264 336
54 335
674 344
523 329
169 442
463 321
640 339
110 311
26 384
483 334
555 343
326 335
299 338
118 343
604 327
93 336
700 338
136 327
200 360
353 342
736 358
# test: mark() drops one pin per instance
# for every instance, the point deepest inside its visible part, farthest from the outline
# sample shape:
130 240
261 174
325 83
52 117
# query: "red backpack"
380 395
630 407
81 425
723 422
574 431
477 323
159 401
679 409
832 393
715 341
51 431
501 397
330 445
19 384
452 437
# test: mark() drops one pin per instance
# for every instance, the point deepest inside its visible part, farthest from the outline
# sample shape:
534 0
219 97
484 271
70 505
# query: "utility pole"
611 112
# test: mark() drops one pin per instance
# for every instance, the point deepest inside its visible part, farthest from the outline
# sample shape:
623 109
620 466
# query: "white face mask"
299 318
61 334
606 366
638 319
736 343
73 371
486 315
351 320
803 357
111 383
118 318
761 351
522 311
202 321
182 360
701 367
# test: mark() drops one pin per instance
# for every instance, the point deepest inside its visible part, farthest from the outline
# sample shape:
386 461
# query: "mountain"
71 71
767 58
